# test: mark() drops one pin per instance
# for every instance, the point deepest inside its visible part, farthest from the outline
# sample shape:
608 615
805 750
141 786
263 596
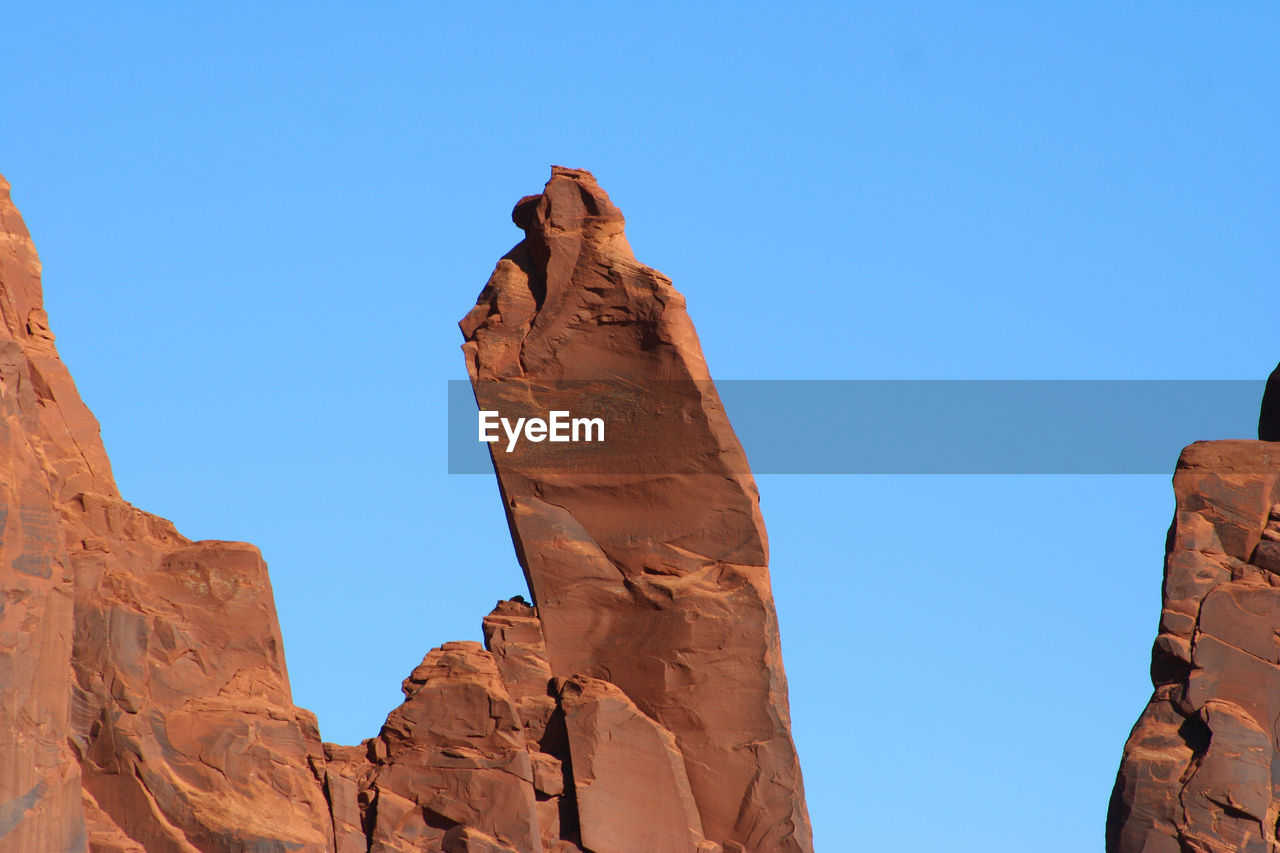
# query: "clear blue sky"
261 222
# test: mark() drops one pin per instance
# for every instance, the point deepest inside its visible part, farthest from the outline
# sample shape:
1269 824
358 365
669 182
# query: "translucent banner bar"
846 426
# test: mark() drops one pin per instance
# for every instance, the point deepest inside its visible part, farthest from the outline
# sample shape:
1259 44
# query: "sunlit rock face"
650 572
1201 769
144 701
639 704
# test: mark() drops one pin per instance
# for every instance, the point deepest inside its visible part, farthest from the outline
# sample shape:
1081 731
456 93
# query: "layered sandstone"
639 705
1201 769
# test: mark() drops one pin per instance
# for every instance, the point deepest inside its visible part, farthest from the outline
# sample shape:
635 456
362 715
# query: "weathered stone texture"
144 702
641 705
649 570
1201 770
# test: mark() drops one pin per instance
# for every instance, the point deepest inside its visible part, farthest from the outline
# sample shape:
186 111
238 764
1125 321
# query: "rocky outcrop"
1201 769
144 701
639 705
648 568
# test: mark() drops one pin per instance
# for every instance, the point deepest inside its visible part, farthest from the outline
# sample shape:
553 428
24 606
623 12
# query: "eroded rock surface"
1201 769
144 698
628 774
649 573
144 701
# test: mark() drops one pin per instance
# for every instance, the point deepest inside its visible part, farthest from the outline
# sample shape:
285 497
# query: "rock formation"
639 705
649 572
1269 417
1201 769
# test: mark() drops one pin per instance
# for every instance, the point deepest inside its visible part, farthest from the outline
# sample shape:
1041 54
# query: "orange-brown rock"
457 751
1200 769
513 633
628 774
40 801
144 699
648 568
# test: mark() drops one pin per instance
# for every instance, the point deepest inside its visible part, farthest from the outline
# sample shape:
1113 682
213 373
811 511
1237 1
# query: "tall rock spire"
647 556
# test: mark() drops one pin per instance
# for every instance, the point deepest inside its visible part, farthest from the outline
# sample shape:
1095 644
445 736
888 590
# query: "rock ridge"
638 705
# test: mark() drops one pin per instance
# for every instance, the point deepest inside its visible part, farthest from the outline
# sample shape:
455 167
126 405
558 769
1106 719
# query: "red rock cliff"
144 702
640 706
1201 769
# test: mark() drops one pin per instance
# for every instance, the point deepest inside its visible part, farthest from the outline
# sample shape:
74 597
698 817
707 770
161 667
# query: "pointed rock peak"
571 203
